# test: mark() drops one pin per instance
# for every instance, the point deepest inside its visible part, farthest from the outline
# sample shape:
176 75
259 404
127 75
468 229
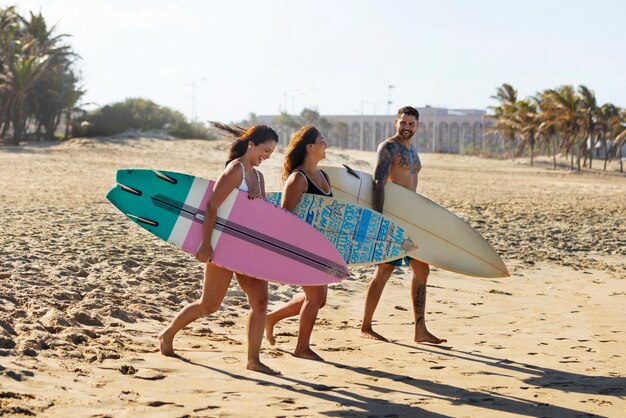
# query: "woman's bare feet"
369 333
166 344
257 366
308 354
269 330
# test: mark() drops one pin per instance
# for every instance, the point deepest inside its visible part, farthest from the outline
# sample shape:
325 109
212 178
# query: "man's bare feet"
269 331
166 344
369 333
307 354
424 336
261 368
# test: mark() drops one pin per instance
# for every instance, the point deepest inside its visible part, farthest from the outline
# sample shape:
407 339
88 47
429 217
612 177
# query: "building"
441 130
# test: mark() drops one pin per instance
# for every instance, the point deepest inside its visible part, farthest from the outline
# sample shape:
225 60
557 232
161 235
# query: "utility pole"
374 104
434 129
361 137
389 102
194 97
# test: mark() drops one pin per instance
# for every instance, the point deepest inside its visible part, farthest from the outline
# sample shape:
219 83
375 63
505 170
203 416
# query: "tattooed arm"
386 152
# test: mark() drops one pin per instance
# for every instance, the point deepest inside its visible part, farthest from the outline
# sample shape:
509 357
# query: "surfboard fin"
165 177
352 172
130 190
143 220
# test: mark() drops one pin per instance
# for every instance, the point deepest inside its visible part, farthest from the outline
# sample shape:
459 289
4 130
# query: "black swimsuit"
312 187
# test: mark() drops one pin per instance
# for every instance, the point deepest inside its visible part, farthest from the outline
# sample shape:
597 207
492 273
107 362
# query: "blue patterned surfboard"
361 235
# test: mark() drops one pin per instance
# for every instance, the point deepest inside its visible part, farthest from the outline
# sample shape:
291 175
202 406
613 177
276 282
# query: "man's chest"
407 159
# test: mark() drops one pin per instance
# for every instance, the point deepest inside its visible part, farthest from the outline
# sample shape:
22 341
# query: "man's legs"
418 296
374 291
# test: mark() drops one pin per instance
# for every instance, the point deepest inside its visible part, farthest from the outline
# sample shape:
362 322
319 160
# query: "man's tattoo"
408 159
383 167
419 303
385 160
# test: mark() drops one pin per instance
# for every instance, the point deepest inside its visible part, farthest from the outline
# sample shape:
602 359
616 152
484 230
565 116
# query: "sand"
83 293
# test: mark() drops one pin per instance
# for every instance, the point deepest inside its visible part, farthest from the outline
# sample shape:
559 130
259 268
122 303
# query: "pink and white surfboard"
251 237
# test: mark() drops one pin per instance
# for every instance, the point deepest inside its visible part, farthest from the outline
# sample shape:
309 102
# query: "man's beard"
405 134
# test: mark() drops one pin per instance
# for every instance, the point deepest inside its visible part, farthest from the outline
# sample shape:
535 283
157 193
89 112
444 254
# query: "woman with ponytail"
249 149
301 175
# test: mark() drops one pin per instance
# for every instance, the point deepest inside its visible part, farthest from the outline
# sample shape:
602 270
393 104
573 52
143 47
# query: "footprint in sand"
228 395
341 349
599 402
149 375
156 404
126 369
206 408
128 395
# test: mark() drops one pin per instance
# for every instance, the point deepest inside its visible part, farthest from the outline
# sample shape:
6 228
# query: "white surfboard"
443 239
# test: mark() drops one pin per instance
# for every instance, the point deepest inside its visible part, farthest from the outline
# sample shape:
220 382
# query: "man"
399 163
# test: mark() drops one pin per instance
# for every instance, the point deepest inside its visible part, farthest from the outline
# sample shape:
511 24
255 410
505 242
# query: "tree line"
336 132
39 89
38 83
561 120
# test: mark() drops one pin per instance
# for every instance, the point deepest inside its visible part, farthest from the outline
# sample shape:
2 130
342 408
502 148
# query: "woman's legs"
214 287
315 298
256 292
289 309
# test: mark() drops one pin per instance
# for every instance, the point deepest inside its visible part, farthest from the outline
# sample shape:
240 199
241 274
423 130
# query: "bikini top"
312 187
244 186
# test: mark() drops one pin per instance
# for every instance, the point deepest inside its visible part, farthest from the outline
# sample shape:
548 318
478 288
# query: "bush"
143 115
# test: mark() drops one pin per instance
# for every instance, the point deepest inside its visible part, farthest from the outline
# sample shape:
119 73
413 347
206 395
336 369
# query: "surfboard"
361 235
251 237
443 239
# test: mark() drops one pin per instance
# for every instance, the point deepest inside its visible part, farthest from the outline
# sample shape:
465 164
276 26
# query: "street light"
373 121
389 102
194 97
293 94
293 100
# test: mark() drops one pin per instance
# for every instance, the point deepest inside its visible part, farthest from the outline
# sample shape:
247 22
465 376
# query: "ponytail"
256 134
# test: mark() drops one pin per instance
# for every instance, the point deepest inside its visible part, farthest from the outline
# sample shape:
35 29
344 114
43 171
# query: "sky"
337 56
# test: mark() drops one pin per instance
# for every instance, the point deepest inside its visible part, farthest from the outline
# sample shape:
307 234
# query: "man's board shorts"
400 261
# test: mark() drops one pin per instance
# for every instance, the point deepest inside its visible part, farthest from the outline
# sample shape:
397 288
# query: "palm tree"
617 131
528 123
56 91
18 84
9 24
620 140
608 119
561 107
34 67
503 114
588 118
286 124
547 131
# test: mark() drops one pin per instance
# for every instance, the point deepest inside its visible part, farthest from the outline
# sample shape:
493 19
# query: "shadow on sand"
418 392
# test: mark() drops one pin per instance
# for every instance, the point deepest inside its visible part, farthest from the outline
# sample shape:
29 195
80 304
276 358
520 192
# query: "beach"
84 292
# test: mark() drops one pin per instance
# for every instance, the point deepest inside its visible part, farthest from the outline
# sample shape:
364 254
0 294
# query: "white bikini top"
244 186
